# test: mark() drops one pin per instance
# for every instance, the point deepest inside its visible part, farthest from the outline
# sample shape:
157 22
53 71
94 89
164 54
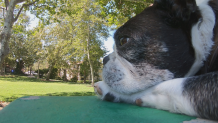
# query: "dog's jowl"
166 57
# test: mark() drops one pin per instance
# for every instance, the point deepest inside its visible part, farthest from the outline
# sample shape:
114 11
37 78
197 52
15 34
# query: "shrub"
58 78
54 73
82 81
74 79
42 71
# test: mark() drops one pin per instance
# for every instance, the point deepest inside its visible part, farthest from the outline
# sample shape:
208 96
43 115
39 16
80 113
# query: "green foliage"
54 73
45 10
9 60
58 78
74 79
19 67
80 31
81 81
45 71
118 12
42 71
24 43
84 68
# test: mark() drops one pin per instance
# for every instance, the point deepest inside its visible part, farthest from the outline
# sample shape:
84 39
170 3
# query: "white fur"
104 89
202 34
131 82
163 48
166 96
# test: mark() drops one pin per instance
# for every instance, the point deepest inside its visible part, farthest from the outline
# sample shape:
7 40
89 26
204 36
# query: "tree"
9 20
54 48
11 12
19 67
84 69
80 29
36 36
89 29
24 44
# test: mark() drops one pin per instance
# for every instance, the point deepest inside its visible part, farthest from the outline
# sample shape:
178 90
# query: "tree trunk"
1 69
4 66
84 77
92 72
59 72
65 75
31 71
38 70
9 20
89 59
49 72
6 32
90 63
78 73
28 69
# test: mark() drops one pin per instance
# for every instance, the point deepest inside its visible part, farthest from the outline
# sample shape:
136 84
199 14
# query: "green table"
83 109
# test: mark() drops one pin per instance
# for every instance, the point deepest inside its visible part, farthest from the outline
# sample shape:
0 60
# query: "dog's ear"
177 10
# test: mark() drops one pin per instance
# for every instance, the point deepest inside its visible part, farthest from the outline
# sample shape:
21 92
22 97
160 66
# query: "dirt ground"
3 104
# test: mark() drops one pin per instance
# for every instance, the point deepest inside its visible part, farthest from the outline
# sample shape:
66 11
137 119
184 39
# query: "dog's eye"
124 40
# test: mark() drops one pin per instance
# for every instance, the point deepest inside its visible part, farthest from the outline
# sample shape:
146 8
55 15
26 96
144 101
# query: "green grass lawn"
12 88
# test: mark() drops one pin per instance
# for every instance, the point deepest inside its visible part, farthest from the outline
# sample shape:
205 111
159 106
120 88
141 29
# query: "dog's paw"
103 92
101 89
97 89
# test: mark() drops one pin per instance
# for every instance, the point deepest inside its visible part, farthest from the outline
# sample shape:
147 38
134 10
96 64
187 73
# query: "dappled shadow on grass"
14 97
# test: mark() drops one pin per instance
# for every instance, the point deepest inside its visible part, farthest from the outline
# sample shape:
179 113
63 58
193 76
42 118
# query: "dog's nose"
106 59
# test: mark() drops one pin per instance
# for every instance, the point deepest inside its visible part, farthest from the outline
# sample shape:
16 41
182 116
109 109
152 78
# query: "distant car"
32 72
35 73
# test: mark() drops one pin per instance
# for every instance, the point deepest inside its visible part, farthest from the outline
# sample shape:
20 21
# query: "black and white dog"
166 57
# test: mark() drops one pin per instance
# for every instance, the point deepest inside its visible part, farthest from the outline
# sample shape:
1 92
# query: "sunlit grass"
12 88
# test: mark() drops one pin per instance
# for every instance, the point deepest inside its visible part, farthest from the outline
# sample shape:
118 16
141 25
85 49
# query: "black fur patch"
148 32
109 97
178 11
203 93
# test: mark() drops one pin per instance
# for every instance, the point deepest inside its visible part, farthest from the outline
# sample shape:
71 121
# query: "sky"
107 43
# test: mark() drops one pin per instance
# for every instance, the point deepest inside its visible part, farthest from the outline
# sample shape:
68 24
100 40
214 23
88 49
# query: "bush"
19 67
54 73
82 81
79 81
74 79
42 71
58 78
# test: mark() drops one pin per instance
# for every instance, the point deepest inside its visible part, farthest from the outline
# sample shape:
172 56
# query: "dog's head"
154 46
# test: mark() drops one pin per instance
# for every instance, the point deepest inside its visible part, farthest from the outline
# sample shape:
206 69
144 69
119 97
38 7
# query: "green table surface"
82 109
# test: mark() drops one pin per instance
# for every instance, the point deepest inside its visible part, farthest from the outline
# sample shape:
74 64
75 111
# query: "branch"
4 9
24 5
